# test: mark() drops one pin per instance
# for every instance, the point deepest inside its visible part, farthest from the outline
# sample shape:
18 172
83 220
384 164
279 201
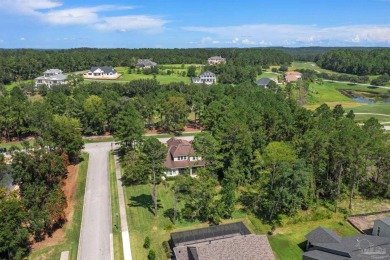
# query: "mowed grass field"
71 229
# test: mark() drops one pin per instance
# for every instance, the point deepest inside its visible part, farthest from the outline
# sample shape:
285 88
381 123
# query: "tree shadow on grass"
144 201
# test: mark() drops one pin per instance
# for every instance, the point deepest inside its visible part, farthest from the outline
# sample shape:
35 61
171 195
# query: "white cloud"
208 40
131 23
1 40
248 42
52 12
22 39
285 34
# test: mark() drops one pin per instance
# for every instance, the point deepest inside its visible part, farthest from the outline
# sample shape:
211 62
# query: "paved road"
360 84
96 224
164 140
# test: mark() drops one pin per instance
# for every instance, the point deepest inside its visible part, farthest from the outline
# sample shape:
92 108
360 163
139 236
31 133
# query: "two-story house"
206 77
104 72
292 76
181 157
216 60
145 64
51 77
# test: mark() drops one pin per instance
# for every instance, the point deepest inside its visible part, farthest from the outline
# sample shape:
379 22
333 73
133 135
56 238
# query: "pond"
368 97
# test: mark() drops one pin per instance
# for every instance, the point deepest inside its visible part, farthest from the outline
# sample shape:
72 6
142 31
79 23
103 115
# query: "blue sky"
191 24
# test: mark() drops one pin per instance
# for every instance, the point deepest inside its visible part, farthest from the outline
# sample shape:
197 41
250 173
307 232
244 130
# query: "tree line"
24 64
357 62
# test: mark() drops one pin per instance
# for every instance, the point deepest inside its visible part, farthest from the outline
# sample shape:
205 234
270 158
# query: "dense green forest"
358 62
26 64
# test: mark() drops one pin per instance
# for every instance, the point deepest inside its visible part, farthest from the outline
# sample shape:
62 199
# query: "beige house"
105 72
216 60
292 76
180 157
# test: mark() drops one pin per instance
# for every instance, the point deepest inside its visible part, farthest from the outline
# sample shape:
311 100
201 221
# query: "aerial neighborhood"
186 155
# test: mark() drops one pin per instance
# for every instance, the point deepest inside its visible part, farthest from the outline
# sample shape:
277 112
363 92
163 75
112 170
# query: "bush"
151 255
147 243
167 249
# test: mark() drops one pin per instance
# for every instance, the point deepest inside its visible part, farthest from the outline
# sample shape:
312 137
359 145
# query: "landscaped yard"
142 222
286 242
71 230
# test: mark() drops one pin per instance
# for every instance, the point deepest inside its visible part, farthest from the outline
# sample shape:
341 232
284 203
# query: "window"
181 158
378 231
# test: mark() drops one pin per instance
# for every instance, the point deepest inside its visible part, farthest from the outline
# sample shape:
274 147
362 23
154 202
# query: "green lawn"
289 241
285 243
267 75
163 79
142 222
116 222
72 229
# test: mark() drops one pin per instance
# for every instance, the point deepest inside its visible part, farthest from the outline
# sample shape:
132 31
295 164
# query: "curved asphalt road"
96 225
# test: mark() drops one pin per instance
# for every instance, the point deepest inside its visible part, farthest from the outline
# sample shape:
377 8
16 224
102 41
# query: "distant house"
216 60
51 77
264 82
292 76
382 227
180 157
104 72
206 77
229 241
323 243
145 64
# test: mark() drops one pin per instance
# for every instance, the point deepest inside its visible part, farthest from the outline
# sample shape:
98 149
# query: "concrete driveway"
96 223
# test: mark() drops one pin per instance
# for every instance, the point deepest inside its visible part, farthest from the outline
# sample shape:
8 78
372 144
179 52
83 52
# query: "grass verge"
72 229
116 222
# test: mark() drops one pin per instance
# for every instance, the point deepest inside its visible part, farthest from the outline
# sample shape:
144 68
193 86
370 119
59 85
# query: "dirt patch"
366 223
69 188
154 228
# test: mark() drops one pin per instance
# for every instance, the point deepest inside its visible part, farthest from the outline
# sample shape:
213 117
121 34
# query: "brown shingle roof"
179 147
253 247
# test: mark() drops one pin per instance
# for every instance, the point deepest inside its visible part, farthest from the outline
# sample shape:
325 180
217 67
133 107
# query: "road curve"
96 224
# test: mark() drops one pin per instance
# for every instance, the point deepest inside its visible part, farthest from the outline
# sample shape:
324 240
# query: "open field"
70 242
267 74
116 222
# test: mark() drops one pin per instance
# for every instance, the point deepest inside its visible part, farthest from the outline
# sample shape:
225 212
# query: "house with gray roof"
264 82
51 77
381 227
145 64
229 241
206 77
324 244
180 157
216 60
104 72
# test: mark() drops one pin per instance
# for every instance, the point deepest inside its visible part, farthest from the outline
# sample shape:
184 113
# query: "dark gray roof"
207 74
385 220
263 82
146 63
352 247
54 71
216 58
58 77
323 235
105 69
208 233
320 255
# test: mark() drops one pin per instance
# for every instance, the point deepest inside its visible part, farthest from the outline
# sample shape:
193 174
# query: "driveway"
96 225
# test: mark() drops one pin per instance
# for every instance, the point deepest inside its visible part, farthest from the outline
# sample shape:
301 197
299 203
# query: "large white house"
104 72
216 60
180 157
51 77
206 77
